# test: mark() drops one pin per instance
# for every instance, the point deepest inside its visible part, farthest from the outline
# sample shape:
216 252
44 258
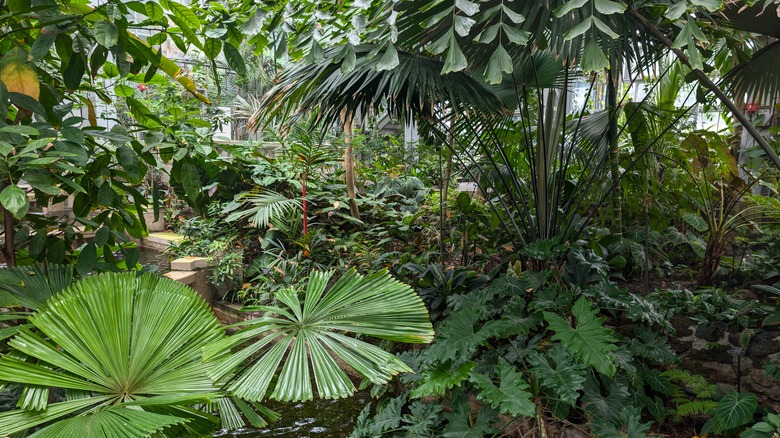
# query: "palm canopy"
757 77
127 350
331 86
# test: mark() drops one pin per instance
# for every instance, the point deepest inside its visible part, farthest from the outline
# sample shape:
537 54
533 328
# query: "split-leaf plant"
536 352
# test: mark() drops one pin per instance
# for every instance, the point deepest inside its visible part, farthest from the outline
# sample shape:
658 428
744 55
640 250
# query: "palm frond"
309 334
127 340
261 206
33 285
415 85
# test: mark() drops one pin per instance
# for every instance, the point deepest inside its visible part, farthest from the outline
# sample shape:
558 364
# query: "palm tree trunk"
349 166
8 226
612 133
712 256
707 83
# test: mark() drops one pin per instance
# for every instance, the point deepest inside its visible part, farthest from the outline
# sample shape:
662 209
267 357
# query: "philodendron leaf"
589 340
14 199
436 380
559 373
511 395
736 409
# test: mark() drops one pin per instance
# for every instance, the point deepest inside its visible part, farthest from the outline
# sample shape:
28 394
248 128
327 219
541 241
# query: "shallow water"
312 419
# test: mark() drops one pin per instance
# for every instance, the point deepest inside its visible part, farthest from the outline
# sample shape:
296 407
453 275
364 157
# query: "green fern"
692 408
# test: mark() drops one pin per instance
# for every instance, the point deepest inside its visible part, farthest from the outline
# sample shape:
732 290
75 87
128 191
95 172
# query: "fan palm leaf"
33 285
261 206
301 335
112 341
759 76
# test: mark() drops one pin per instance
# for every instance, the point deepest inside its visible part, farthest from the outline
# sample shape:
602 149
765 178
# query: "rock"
764 344
682 325
717 353
745 294
711 331
680 346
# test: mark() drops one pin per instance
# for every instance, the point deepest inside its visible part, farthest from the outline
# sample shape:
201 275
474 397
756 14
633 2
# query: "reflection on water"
312 419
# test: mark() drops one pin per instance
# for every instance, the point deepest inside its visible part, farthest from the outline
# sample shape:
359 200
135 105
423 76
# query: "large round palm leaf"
113 340
308 335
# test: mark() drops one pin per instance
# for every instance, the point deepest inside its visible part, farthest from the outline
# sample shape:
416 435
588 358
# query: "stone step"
184 277
190 263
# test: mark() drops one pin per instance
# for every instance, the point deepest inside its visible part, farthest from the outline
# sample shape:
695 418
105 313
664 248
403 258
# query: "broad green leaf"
500 62
461 334
455 60
569 6
154 11
107 330
676 9
234 59
14 199
579 29
467 7
389 59
122 422
605 28
736 409
593 58
436 380
589 340
513 16
184 13
87 259
42 45
462 25
512 395
74 71
190 179
124 90
212 47
106 33
488 34
515 35
460 424
609 7
19 129
710 5
129 161
696 221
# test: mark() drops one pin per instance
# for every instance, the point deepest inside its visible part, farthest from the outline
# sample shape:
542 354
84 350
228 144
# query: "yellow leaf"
91 115
21 78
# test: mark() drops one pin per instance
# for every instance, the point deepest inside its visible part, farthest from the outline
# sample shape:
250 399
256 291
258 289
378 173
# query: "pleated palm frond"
113 341
261 206
415 85
308 334
33 285
759 76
